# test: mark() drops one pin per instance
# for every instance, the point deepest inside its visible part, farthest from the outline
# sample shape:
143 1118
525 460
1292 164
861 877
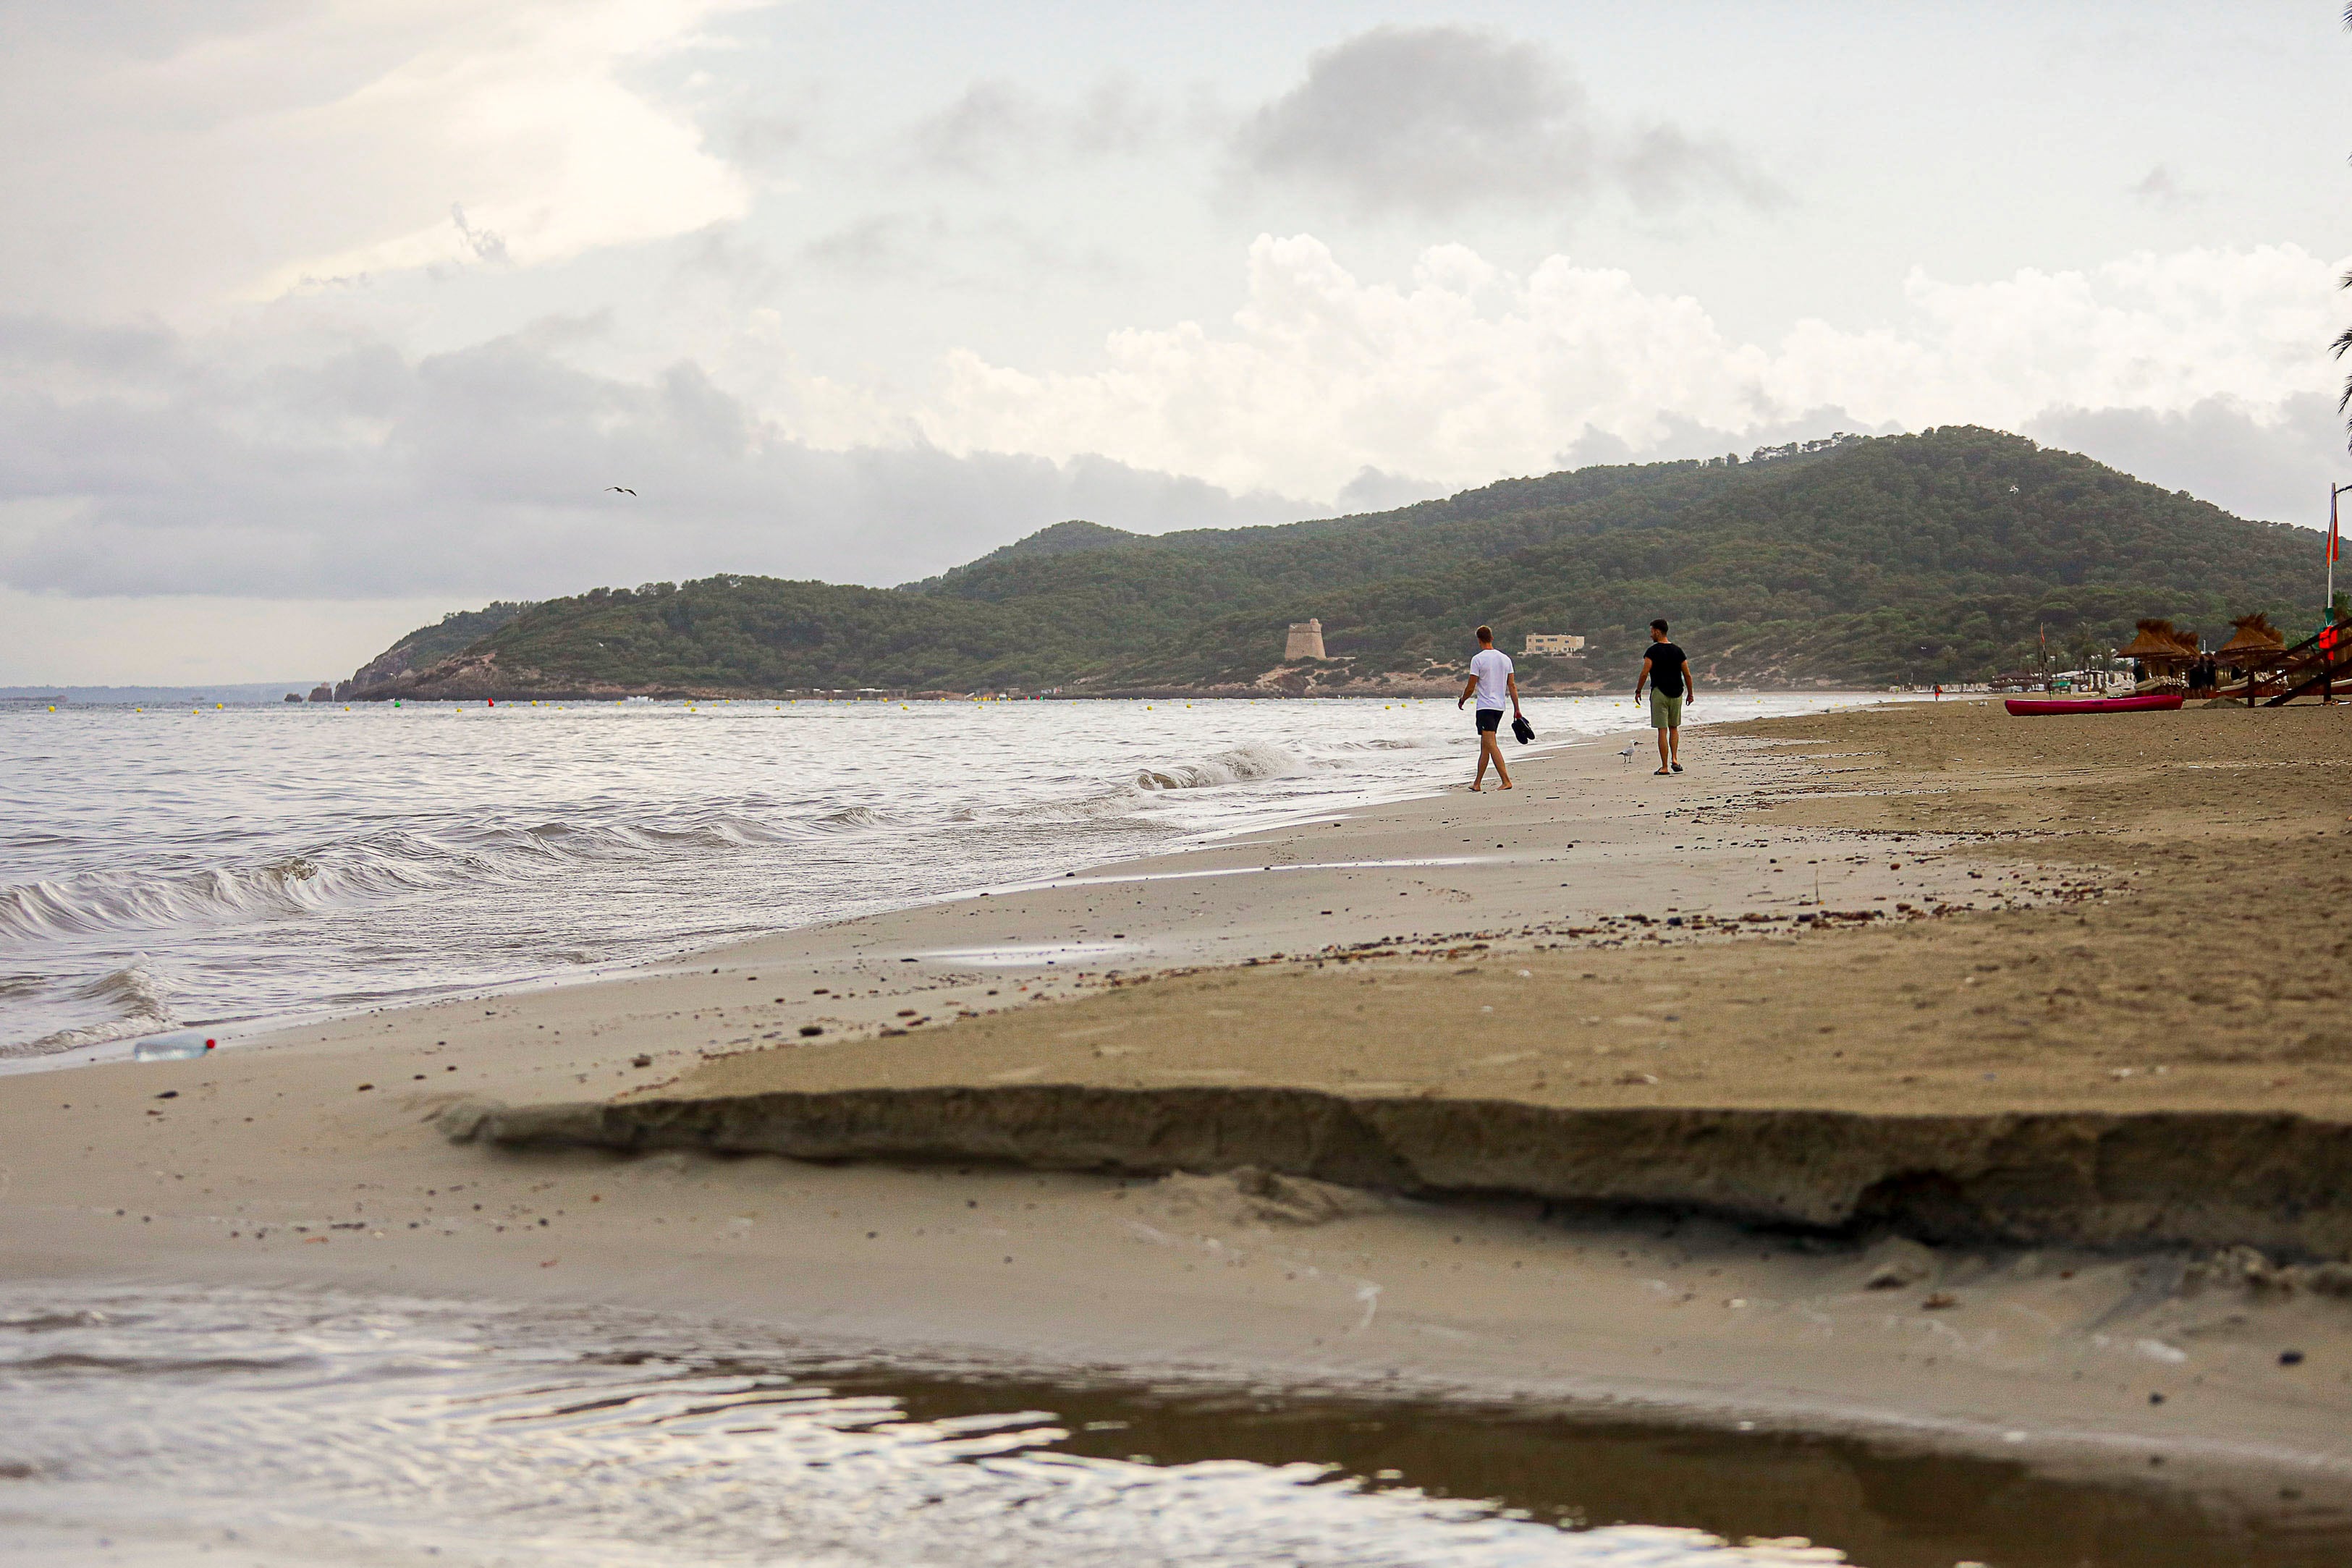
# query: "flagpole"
2333 538
2329 632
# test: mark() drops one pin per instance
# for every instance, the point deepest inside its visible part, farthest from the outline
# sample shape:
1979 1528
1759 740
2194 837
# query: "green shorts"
1666 712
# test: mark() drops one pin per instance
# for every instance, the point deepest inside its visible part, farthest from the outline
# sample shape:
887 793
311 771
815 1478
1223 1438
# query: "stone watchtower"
1305 641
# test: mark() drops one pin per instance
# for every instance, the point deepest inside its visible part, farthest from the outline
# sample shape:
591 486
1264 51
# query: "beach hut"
2163 652
2254 646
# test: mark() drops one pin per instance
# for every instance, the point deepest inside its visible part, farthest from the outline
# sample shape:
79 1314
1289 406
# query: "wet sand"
2109 918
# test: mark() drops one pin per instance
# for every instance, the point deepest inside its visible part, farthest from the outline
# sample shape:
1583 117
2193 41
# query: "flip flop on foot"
1662 773
1678 767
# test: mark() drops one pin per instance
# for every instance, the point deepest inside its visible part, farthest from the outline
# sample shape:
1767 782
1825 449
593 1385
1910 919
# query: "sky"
319 319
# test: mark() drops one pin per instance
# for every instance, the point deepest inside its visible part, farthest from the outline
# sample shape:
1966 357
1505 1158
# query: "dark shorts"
1490 719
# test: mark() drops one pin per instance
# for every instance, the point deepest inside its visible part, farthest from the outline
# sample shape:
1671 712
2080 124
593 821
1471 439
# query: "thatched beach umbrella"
2256 645
2161 649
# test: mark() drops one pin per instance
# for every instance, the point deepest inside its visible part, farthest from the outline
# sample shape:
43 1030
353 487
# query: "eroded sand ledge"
2154 1057
2276 1181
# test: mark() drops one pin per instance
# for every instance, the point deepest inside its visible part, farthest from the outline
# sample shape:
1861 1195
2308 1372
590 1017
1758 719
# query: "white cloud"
1467 371
142 463
173 171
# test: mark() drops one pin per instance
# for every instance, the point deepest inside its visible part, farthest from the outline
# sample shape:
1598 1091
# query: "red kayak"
2152 702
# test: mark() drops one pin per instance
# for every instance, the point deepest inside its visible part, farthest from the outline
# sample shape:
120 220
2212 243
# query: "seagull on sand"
1628 753
623 489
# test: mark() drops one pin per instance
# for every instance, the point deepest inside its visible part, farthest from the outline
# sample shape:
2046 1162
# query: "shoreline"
115 1046
277 1165
1305 691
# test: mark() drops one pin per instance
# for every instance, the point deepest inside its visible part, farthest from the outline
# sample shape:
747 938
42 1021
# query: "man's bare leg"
1490 744
1674 746
1478 779
1665 753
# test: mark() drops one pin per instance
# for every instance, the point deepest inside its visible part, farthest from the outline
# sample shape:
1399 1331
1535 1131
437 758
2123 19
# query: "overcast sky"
318 319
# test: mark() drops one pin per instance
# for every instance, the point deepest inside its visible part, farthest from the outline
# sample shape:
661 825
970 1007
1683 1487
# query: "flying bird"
623 489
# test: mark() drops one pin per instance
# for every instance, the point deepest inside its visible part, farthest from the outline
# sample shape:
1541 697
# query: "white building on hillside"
1552 645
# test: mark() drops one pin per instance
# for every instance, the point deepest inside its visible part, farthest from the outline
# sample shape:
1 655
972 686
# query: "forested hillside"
428 645
1941 556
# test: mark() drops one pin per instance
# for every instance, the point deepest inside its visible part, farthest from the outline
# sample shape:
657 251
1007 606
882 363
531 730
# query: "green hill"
428 645
1942 556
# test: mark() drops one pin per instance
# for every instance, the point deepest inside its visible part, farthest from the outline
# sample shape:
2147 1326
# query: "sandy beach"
1920 1073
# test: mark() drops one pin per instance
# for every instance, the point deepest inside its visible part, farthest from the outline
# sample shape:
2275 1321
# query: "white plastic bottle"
177 1046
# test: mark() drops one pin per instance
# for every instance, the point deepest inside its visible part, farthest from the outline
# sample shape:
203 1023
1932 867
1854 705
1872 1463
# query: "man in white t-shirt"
1493 683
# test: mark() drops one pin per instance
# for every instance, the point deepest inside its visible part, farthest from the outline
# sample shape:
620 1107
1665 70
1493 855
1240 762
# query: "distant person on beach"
1493 683
1665 670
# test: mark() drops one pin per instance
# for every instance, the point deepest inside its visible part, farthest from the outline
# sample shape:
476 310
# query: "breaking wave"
376 865
134 1002
1243 764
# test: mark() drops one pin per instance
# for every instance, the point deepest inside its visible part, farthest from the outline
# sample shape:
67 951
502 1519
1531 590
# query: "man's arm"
1642 679
1468 687
1690 684
1511 680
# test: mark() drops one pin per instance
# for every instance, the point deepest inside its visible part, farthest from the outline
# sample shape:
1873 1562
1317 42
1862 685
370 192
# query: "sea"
236 866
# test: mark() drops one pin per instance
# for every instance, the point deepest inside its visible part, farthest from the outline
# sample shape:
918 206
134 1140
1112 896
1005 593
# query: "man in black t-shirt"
1665 670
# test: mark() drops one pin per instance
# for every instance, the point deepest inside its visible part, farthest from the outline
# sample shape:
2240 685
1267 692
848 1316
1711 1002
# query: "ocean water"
166 1429
224 866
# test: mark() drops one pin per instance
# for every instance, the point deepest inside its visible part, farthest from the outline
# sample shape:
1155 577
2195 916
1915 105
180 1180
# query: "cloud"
2160 187
1467 371
975 132
279 147
1432 121
1373 491
140 460
879 245
145 464
765 141
1116 117
2270 463
487 245
995 126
